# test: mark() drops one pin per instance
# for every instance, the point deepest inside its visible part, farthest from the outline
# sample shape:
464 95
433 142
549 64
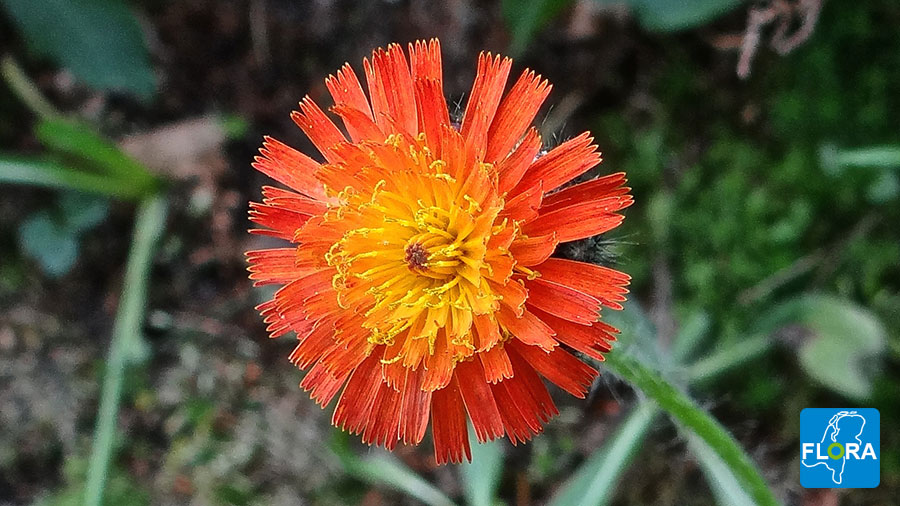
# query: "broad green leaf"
724 484
525 17
687 414
594 482
100 41
51 243
840 344
81 141
52 174
481 477
382 468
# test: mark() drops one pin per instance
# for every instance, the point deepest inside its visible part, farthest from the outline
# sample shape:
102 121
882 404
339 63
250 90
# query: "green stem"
689 415
127 343
27 92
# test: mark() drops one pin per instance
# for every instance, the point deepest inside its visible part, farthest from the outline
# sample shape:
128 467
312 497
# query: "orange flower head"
419 279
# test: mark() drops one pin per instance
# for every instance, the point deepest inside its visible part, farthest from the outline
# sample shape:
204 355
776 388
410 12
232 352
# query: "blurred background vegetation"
761 140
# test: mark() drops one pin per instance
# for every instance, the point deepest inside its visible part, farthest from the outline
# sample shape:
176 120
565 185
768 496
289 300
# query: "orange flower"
419 282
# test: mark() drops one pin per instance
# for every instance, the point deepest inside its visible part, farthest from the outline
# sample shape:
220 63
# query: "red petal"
433 115
356 401
488 333
346 356
289 167
358 123
515 114
592 340
513 293
479 401
425 59
345 89
580 220
438 366
496 364
525 405
558 366
524 206
383 422
563 301
448 426
322 385
607 285
278 265
513 167
313 345
487 90
391 88
560 165
607 186
530 251
319 128
529 328
415 408
279 222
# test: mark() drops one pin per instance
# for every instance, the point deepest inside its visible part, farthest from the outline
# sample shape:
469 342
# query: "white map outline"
833 424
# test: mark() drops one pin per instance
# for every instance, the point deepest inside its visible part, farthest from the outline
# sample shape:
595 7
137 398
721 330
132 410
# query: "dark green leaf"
100 41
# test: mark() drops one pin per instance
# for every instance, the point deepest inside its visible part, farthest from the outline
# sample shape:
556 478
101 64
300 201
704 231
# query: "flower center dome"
412 255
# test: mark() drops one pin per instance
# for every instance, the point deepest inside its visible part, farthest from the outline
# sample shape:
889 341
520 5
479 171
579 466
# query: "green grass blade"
594 482
686 412
80 140
127 342
53 175
382 468
722 481
481 477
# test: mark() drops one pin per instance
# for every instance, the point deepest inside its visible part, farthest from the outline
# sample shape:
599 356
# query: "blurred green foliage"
66 31
52 236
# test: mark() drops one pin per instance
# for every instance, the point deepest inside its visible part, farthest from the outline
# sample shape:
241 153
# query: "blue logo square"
840 448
